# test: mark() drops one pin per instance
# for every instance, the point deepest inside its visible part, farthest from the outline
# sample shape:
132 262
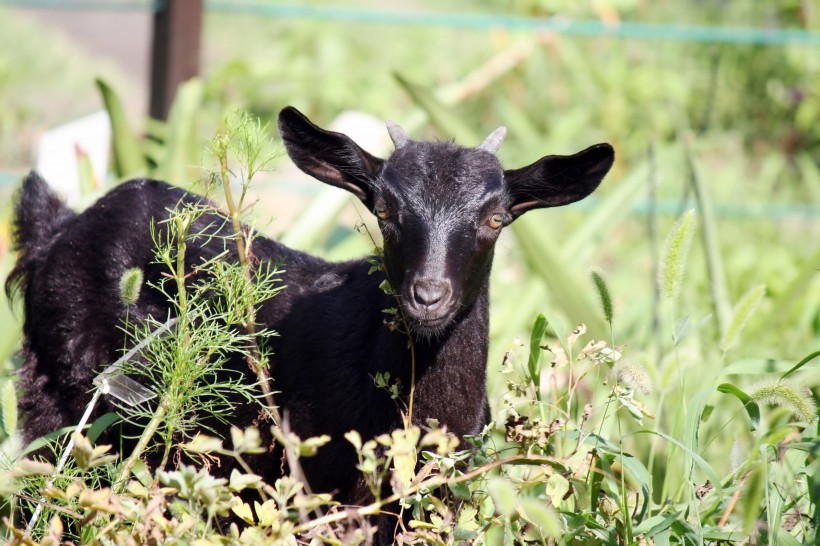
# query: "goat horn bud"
397 134
493 142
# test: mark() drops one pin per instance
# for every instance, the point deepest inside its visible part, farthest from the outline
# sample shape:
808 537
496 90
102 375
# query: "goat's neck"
451 371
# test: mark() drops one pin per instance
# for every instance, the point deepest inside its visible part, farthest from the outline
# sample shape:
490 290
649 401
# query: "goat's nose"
429 292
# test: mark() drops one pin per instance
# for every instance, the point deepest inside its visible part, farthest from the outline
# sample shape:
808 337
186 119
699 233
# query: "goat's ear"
330 157
557 180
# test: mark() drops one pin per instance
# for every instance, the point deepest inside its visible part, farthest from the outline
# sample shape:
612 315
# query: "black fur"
442 205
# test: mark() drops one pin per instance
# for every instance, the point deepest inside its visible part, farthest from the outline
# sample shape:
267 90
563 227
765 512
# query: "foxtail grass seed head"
744 309
797 400
603 294
675 254
632 375
131 285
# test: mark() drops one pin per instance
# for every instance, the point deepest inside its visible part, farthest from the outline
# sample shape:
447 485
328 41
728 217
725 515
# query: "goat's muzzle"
431 302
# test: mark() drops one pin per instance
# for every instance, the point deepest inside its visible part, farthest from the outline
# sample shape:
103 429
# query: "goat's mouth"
429 321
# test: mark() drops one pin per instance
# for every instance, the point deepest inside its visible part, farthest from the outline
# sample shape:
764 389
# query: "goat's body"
331 342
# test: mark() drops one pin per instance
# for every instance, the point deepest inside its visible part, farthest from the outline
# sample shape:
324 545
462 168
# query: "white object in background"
57 153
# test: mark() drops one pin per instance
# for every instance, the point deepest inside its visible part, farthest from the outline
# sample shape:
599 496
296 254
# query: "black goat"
441 208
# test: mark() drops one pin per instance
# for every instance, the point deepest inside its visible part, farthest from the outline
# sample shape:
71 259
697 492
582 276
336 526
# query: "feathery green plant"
744 309
798 401
604 295
246 139
675 254
131 286
188 366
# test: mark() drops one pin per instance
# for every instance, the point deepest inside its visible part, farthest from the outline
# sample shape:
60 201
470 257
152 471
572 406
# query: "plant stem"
254 359
412 376
149 431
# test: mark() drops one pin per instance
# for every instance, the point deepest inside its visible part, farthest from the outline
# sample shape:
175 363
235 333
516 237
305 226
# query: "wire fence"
627 30
559 25
462 20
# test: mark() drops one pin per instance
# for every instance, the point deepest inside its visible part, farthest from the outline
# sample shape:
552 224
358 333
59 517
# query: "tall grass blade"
534 361
566 289
704 466
8 402
763 366
711 245
85 172
179 159
675 255
637 472
312 228
129 160
800 364
744 309
694 415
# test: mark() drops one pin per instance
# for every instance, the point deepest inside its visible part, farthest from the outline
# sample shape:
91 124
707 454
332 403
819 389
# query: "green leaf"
467 526
684 326
533 364
243 510
309 447
637 470
129 160
246 441
744 309
354 438
460 490
240 481
800 364
202 443
655 524
503 494
752 497
266 512
556 487
691 426
751 407
539 514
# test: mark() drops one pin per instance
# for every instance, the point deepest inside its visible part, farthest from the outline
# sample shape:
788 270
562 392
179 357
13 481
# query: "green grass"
725 129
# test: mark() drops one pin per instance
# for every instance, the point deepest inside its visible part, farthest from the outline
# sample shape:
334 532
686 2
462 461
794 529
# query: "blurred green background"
721 121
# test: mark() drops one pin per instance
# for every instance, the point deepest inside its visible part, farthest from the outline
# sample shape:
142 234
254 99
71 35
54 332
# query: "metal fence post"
175 51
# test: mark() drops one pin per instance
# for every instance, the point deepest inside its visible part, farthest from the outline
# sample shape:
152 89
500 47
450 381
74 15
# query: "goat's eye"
496 221
382 213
